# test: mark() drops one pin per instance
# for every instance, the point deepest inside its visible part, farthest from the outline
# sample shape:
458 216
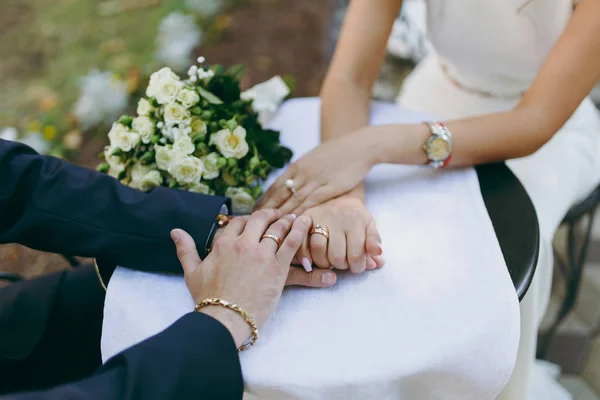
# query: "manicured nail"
175 236
294 216
380 249
306 264
328 278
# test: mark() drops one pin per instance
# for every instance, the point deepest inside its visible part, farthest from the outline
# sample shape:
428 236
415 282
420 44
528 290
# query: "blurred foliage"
48 45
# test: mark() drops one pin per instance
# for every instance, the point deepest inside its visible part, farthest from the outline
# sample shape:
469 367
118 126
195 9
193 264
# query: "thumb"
316 278
186 250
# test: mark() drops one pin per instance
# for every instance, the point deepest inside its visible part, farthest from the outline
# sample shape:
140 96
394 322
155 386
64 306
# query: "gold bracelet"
234 307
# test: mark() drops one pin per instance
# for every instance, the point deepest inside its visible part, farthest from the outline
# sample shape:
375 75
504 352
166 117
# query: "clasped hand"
325 184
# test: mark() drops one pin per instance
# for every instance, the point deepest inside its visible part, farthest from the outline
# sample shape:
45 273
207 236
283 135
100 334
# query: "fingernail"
380 249
306 264
175 236
294 216
328 278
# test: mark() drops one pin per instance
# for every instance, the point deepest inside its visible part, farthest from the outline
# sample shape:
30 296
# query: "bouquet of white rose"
201 134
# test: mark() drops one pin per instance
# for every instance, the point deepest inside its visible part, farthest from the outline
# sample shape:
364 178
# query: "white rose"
164 86
186 170
138 171
197 125
266 98
163 157
199 188
144 107
145 127
188 98
211 170
120 136
242 201
183 144
148 181
115 164
176 133
176 114
231 144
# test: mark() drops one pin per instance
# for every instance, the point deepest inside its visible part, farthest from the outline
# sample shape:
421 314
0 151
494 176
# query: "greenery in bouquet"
201 134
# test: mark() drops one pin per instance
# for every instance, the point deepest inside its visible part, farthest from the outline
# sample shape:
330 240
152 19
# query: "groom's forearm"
51 205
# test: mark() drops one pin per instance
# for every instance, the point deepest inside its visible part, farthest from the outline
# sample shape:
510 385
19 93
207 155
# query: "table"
513 217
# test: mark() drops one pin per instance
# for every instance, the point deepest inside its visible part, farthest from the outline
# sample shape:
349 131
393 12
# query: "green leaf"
256 191
236 71
290 81
198 137
125 120
208 96
147 158
104 167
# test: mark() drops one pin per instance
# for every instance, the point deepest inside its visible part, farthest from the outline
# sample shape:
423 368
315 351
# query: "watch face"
438 148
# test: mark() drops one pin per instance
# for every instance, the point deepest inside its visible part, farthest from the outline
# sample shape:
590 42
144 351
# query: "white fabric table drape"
439 321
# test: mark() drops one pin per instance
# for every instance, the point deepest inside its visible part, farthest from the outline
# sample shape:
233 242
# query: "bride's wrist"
398 144
358 192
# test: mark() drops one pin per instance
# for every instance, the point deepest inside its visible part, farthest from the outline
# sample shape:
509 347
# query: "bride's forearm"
479 140
344 108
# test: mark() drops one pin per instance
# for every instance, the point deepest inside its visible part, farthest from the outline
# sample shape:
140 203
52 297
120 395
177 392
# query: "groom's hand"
296 276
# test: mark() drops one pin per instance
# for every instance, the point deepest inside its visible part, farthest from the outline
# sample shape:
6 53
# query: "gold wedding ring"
272 237
319 230
291 185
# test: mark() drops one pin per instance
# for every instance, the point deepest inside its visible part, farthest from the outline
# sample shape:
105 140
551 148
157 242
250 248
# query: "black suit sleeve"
195 358
51 205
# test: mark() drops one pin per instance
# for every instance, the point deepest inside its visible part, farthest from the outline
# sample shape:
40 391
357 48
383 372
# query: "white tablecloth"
439 321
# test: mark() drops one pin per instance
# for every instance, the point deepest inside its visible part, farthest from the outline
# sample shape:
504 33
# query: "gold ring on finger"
275 238
319 230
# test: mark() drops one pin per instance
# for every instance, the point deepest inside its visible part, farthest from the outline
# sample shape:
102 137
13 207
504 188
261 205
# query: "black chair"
515 222
571 269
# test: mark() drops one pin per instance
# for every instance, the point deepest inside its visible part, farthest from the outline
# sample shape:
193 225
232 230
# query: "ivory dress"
485 55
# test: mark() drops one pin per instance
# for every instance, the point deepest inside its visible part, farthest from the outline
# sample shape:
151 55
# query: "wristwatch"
439 145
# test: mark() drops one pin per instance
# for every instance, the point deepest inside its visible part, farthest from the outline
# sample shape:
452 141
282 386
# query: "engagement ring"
319 230
290 184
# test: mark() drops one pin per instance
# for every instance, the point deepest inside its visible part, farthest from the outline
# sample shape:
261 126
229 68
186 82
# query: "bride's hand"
328 171
354 241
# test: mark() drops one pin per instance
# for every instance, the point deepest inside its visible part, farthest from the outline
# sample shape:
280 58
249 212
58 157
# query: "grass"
47 45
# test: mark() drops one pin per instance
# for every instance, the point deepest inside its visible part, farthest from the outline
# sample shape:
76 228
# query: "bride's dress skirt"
439 321
558 175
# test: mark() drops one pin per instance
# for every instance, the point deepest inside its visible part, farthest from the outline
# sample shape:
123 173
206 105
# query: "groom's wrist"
237 327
